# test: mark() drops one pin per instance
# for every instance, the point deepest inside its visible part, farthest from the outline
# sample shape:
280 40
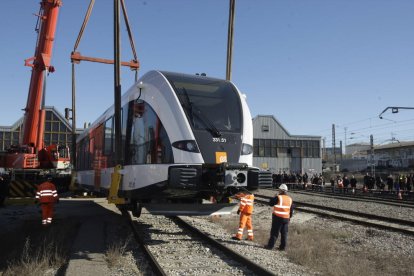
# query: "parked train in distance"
185 139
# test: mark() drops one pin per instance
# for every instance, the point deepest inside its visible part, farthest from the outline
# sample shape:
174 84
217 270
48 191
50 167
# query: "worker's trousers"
245 220
47 212
278 225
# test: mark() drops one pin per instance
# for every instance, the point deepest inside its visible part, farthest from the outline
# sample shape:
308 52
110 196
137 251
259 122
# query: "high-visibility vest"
282 207
246 204
46 192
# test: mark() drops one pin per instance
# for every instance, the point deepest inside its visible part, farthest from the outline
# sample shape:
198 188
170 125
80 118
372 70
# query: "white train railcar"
185 138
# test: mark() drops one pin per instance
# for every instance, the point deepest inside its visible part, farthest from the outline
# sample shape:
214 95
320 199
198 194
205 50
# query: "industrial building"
57 130
275 149
395 155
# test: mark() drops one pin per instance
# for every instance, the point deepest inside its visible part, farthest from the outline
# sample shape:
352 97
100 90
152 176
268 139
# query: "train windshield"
210 104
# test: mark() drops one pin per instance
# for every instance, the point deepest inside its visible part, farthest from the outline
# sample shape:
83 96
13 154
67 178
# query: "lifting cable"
134 64
84 24
131 38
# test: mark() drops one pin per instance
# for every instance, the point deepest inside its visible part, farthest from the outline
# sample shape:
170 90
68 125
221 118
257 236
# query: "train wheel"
136 209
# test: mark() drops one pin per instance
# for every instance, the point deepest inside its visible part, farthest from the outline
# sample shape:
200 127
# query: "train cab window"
148 140
109 137
208 103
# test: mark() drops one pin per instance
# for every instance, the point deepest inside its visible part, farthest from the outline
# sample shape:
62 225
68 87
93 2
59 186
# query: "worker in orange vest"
47 195
245 211
282 212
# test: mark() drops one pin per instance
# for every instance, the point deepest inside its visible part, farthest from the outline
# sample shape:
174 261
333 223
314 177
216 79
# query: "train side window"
91 152
79 153
148 142
139 136
108 137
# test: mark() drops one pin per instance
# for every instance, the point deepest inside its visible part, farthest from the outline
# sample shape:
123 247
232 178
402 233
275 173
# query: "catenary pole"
230 39
117 85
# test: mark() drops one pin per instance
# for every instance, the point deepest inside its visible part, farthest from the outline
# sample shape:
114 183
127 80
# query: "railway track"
174 247
371 220
384 196
357 198
387 200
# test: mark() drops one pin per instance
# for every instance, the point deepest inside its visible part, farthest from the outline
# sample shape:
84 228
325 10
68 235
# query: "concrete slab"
88 252
89 247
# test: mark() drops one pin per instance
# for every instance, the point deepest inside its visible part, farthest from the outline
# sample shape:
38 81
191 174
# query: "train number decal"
219 140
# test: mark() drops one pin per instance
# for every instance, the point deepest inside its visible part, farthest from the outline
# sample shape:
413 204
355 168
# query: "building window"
47 126
265 128
261 151
55 126
264 148
62 138
48 116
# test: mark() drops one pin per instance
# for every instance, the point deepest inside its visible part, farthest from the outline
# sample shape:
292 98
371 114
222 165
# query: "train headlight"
246 149
187 145
241 178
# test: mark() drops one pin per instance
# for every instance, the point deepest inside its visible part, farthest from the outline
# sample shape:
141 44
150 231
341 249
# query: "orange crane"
31 153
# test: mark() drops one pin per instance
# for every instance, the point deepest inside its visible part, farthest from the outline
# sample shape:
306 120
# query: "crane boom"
34 117
31 152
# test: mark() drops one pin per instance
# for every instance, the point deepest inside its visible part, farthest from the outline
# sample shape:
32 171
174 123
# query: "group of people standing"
344 183
397 182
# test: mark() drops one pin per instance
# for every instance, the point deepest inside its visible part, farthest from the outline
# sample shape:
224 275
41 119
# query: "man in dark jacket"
353 182
390 182
346 183
366 182
282 212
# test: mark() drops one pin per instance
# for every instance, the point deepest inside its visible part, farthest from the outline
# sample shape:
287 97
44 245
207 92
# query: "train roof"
133 89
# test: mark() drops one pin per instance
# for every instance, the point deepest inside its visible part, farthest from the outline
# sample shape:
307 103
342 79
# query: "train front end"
221 131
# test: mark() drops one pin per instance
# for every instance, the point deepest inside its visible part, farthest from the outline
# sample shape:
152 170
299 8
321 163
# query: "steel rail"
372 195
352 213
359 218
328 191
356 198
157 269
252 266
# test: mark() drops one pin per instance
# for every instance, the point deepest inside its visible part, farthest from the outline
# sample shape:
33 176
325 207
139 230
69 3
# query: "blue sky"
310 63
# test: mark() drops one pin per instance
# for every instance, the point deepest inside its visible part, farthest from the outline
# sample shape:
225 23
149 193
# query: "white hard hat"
283 187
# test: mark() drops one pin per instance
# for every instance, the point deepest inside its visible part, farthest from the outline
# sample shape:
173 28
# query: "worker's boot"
237 237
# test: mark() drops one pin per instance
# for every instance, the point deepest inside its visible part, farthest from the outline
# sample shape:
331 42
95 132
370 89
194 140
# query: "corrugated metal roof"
395 145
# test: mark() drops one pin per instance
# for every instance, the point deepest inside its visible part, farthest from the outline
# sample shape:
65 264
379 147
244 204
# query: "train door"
97 141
